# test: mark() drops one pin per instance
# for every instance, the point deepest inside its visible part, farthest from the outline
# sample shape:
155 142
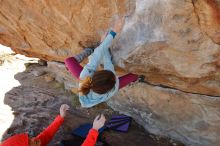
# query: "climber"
46 136
98 86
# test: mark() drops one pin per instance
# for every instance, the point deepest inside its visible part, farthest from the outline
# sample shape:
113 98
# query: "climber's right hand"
119 24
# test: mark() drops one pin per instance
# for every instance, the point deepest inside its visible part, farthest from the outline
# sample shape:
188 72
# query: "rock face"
53 30
164 41
190 118
175 44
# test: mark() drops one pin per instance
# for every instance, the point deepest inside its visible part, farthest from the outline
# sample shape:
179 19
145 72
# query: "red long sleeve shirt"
91 138
47 135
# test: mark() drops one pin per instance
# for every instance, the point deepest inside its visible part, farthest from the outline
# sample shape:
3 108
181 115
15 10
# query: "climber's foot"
141 78
89 50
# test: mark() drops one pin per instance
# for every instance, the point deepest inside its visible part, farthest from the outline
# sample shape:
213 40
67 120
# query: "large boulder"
190 118
175 44
165 41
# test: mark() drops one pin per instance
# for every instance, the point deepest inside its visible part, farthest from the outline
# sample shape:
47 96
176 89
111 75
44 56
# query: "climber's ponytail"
86 85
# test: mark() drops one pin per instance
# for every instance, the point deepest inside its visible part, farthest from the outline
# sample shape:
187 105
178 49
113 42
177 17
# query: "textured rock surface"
53 30
208 12
191 118
174 43
164 41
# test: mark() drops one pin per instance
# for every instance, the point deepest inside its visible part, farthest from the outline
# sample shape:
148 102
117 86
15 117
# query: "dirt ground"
30 99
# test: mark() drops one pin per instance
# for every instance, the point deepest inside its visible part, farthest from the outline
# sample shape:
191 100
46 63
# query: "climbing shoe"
141 78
